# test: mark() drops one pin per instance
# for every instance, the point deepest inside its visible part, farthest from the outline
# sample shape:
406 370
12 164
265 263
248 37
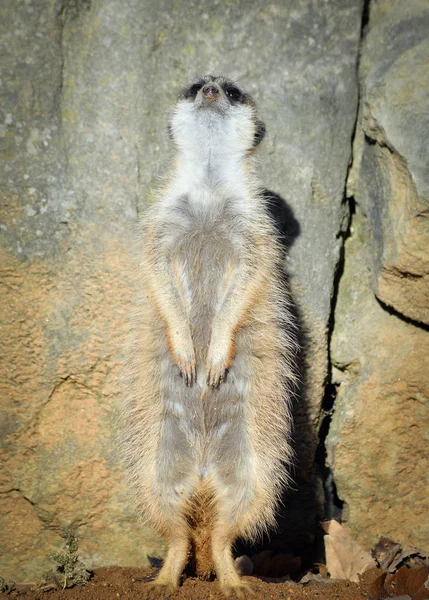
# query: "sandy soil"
129 584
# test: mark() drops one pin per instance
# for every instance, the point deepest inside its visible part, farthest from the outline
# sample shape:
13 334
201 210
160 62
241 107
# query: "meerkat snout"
210 92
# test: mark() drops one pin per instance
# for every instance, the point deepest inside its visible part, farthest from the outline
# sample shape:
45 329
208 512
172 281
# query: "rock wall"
86 89
378 439
68 207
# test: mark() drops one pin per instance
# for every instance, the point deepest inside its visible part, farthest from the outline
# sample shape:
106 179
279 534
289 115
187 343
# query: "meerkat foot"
168 578
183 354
230 581
154 590
239 590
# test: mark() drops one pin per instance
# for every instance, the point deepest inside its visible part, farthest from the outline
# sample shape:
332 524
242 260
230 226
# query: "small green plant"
6 586
70 570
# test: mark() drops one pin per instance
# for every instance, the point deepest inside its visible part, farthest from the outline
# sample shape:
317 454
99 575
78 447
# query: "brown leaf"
416 581
376 590
390 556
325 526
408 581
345 559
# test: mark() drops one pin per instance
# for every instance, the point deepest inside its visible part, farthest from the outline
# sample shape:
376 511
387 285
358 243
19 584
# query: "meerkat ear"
260 132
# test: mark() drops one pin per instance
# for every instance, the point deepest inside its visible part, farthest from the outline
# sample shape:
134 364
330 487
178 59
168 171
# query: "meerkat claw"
215 377
189 374
212 380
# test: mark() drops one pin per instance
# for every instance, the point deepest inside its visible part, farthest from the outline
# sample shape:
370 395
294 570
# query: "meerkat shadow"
283 217
298 531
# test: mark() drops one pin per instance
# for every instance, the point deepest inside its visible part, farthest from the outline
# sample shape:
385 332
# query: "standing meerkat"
207 421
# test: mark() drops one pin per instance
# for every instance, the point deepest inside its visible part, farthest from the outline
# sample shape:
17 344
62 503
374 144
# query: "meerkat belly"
205 266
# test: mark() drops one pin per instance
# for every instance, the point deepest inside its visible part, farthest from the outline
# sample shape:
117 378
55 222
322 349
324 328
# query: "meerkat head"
214 113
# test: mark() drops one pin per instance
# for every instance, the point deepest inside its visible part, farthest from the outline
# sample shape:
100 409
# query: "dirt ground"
129 584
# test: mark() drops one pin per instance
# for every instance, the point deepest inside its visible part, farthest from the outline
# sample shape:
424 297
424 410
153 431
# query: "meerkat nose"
210 91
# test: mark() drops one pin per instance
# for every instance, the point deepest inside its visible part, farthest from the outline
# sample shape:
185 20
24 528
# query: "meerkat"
207 419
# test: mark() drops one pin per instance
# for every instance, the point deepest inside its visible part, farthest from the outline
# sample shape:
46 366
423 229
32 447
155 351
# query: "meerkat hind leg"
168 577
175 484
229 580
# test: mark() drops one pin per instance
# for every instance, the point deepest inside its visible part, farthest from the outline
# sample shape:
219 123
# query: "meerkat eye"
233 93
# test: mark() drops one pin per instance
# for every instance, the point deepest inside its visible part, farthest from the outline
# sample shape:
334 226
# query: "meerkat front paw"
216 375
183 354
219 360
189 372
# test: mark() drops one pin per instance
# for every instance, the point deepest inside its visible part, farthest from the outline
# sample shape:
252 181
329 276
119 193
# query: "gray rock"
377 442
244 565
394 163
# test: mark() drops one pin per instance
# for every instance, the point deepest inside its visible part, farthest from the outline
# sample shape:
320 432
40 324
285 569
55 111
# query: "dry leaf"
385 552
408 581
377 590
390 556
345 559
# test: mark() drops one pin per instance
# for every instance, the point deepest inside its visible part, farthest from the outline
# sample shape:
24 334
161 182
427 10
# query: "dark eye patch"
190 92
